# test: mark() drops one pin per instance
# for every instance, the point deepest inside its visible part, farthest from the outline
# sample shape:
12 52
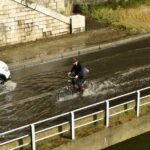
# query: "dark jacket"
77 70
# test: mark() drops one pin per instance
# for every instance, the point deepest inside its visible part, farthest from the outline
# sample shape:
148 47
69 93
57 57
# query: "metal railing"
70 121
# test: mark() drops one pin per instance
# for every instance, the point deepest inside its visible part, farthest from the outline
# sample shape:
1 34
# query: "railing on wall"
70 121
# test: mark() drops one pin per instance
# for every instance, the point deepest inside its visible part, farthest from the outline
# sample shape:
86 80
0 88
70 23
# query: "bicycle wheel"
64 93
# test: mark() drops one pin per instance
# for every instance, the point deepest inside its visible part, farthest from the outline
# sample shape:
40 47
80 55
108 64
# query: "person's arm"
79 70
72 70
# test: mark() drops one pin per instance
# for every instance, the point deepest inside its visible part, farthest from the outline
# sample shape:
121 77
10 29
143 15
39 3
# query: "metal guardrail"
105 108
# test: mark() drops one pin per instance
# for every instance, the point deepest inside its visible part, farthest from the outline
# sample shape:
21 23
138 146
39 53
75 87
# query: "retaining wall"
110 136
24 22
96 141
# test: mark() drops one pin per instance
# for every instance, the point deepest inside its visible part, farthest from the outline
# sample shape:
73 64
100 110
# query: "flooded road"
113 71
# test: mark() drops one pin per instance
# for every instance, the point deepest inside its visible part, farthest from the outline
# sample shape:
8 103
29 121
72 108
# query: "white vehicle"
4 72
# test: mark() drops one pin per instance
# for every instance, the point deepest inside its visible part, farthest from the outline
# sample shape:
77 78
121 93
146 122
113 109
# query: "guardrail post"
107 114
71 29
137 107
33 143
72 126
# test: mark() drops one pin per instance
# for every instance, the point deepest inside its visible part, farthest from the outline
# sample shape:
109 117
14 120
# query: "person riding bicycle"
78 73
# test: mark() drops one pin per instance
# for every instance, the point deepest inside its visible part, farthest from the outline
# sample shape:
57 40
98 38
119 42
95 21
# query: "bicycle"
69 91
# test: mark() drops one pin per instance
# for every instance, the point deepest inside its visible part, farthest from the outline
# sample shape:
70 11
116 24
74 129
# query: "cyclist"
78 74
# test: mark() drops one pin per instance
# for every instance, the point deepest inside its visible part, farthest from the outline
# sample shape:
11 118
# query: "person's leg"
75 84
82 87
72 81
80 84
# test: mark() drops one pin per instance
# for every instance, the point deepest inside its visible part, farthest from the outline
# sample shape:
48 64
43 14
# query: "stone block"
29 16
47 29
22 38
55 31
38 35
62 30
52 4
13 28
7 28
42 26
20 18
41 19
11 24
28 21
12 15
28 30
12 40
11 20
3 17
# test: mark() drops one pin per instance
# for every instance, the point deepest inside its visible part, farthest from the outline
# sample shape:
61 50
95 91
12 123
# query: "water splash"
68 97
89 90
9 86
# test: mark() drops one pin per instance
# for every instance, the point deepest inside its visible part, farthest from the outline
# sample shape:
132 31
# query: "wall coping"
44 10
110 136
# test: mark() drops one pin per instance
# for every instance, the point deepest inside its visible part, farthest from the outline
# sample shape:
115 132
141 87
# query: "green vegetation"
129 14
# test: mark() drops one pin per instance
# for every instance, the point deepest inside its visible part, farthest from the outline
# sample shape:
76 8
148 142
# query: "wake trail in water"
89 91
119 82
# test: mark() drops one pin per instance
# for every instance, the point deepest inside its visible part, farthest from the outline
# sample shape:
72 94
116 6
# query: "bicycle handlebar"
70 76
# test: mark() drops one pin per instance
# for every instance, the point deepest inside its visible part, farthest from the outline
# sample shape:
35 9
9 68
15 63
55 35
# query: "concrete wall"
96 141
110 136
24 22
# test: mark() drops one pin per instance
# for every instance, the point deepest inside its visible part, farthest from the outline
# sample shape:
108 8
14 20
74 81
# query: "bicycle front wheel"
64 93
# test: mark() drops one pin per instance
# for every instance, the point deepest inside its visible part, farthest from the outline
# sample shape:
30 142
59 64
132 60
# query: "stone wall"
23 22
88 1
61 6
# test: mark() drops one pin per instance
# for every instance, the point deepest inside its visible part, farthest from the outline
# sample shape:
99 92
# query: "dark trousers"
78 82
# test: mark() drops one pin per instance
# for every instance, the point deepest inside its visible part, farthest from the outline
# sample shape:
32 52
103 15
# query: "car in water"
4 72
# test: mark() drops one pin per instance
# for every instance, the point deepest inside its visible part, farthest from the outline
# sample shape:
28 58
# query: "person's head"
74 60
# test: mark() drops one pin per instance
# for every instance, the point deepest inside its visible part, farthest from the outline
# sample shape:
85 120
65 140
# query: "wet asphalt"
113 71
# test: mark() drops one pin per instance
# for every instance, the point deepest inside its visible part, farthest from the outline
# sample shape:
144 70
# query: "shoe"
81 90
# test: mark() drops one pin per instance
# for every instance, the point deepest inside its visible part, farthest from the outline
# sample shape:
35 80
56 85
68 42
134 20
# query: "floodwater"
113 71
136 143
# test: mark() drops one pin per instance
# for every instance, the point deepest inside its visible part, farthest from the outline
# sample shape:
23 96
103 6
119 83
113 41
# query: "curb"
52 58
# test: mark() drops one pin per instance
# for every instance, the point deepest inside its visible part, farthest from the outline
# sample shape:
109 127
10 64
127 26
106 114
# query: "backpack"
85 71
